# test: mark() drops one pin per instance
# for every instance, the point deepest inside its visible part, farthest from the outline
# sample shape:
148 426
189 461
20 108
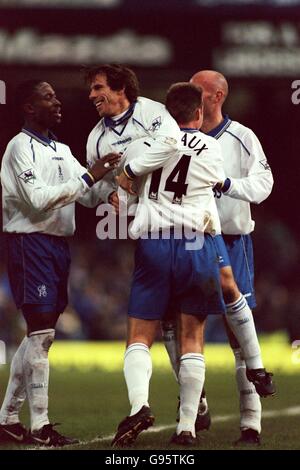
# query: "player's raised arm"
41 196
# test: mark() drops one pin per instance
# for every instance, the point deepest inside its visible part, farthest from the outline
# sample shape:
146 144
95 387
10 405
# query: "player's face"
45 108
108 102
208 96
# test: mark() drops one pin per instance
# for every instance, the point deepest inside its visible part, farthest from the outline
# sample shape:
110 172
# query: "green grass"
88 395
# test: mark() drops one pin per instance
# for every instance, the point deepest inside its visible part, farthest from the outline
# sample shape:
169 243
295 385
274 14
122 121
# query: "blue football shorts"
38 270
165 270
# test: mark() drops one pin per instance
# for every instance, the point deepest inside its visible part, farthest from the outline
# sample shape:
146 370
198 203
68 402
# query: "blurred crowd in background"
256 44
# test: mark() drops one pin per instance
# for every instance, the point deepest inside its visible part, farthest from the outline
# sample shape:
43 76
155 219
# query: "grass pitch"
88 395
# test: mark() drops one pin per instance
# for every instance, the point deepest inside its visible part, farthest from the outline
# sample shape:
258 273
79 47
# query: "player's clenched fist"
104 165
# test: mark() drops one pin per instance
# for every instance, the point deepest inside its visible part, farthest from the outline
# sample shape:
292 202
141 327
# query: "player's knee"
141 331
141 339
192 338
39 317
192 344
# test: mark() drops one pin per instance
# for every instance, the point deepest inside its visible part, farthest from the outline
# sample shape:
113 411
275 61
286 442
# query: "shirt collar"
189 129
114 122
39 137
218 131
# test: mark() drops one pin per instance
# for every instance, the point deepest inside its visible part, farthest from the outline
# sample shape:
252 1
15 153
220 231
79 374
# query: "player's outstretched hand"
125 183
104 165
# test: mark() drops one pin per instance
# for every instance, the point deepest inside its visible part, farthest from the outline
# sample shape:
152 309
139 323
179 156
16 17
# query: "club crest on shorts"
42 290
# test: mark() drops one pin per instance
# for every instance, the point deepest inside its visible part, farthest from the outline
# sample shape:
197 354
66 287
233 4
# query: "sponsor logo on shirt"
27 176
124 141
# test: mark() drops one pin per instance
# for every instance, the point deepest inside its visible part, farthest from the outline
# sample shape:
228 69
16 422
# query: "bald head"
212 82
215 90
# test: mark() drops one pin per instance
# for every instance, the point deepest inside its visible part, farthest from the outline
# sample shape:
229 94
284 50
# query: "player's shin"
191 380
36 367
15 392
240 320
137 372
250 405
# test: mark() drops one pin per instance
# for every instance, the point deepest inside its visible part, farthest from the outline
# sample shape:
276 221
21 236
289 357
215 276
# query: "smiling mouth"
99 103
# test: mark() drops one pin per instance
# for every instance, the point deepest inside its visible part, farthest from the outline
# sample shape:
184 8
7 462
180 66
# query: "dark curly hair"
118 77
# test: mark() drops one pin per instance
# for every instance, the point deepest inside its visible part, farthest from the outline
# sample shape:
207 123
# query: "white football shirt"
40 180
249 173
179 193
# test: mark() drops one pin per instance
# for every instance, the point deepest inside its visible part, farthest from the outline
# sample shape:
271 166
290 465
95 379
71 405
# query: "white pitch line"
291 411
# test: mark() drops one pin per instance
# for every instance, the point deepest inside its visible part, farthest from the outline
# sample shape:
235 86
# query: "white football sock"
16 391
191 380
240 320
170 342
36 368
250 405
137 372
